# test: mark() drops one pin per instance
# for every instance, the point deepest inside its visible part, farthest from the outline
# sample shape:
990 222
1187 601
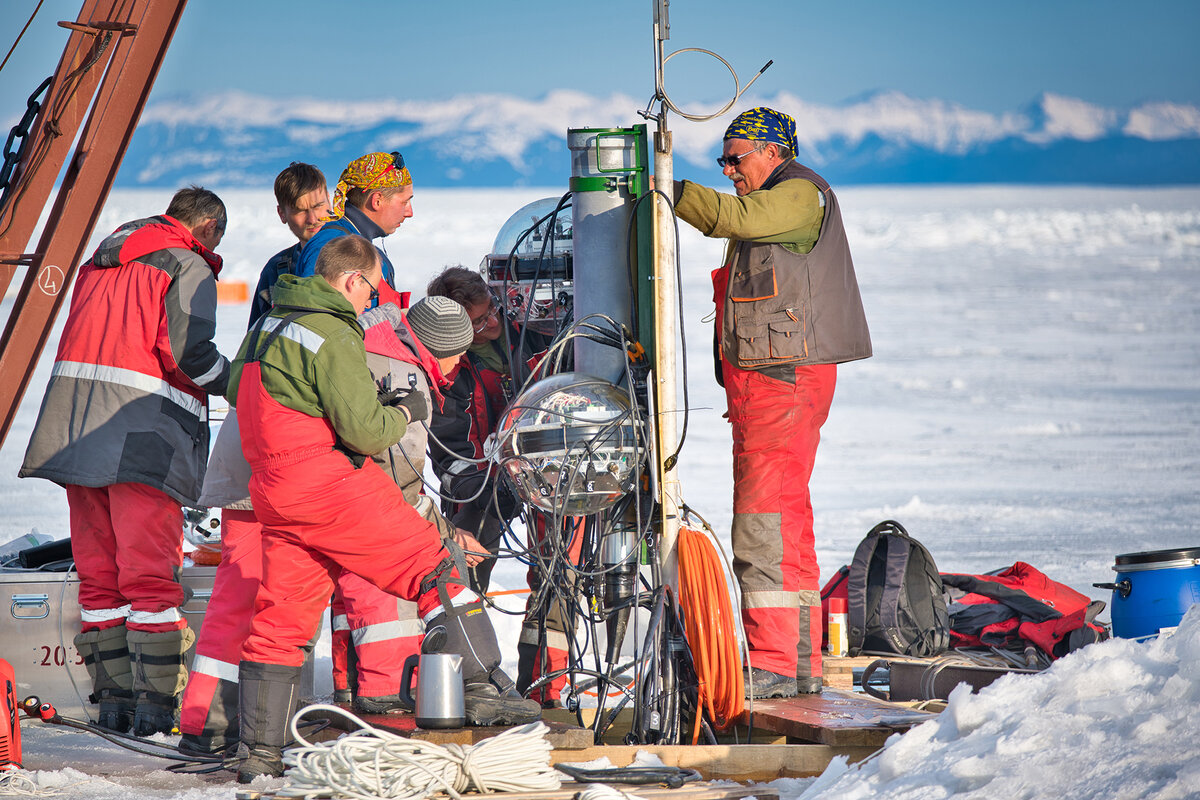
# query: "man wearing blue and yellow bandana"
788 311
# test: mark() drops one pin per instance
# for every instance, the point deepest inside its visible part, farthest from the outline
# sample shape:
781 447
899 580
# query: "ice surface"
1034 395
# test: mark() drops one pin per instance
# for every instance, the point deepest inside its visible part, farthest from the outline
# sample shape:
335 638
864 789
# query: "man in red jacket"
123 428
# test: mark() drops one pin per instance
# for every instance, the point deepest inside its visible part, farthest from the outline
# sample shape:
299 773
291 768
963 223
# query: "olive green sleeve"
348 396
788 213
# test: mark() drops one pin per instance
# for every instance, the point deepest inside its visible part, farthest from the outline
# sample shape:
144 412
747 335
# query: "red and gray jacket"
397 357
127 398
1020 605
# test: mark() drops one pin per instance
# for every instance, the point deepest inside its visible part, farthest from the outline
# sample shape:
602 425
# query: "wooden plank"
737 762
560 734
839 670
834 717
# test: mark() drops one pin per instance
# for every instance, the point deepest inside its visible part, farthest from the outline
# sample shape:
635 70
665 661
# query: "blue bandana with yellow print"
764 124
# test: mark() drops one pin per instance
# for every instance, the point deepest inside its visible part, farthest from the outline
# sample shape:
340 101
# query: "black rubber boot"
155 713
810 684
268 694
526 661
198 744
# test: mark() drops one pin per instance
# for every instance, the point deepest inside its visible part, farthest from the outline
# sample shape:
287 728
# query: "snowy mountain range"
237 139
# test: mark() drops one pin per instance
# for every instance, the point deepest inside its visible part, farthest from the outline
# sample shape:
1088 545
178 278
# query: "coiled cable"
373 763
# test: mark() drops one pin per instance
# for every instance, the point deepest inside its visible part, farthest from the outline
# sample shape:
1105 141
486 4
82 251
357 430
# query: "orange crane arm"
107 68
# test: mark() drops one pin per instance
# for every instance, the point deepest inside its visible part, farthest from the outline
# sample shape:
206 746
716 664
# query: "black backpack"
896 603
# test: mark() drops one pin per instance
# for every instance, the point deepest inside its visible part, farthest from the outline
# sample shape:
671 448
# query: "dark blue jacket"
354 221
282 263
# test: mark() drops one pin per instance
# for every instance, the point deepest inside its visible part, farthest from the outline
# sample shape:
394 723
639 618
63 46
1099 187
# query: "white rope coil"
373 763
602 791
18 784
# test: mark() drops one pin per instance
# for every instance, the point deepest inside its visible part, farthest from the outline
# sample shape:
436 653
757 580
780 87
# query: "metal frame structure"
107 68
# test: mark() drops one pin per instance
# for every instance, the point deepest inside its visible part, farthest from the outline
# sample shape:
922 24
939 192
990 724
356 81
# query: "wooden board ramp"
834 717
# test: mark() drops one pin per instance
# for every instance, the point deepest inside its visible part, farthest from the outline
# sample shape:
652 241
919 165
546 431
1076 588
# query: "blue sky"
985 55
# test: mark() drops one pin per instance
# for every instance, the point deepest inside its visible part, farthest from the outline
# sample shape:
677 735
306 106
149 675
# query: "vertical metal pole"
666 311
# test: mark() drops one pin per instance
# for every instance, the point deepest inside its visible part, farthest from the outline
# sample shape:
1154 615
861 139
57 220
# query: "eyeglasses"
480 324
374 291
397 160
733 161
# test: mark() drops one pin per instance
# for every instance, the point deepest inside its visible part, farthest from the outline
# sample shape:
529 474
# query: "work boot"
342 695
809 684
384 704
768 684
155 713
159 675
267 698
116 710
106 656
493 699
489 696
198 744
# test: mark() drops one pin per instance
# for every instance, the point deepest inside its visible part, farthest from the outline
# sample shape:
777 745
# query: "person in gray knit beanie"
442 325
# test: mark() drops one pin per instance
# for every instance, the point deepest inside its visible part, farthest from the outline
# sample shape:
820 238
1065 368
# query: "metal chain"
12 157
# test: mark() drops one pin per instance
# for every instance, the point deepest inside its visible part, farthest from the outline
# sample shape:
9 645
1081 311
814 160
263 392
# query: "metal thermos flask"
439 700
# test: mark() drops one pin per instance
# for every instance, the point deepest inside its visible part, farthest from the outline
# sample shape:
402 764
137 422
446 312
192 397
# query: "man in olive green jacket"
788 311
309 414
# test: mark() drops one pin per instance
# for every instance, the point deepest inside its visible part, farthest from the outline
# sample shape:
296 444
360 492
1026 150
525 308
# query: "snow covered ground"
1034 396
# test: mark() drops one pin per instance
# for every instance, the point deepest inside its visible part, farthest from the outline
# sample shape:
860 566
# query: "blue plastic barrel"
1153 590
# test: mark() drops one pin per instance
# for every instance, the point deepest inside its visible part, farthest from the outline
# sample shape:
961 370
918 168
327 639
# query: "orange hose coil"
711 630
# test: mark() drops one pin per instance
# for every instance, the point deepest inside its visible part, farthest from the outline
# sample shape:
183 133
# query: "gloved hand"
413 402
507 503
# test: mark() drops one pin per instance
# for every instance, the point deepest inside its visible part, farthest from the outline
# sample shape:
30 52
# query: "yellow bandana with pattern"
372 171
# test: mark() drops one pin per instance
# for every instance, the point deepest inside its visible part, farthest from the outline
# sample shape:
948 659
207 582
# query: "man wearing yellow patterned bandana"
373 197
788 311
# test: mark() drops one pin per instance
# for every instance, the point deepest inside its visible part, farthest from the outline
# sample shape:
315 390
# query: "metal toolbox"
40 617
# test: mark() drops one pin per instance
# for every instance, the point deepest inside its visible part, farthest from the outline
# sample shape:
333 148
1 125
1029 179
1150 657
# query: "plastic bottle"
839 634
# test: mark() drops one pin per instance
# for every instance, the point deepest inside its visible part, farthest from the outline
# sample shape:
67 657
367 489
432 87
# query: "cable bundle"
711 629
373 763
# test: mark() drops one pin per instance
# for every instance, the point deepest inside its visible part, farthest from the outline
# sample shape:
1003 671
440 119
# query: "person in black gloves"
373 631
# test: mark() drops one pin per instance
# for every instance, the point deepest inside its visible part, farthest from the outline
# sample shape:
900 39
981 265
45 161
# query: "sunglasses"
733 161
397 160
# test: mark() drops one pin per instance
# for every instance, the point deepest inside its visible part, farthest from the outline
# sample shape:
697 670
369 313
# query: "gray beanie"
442 325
